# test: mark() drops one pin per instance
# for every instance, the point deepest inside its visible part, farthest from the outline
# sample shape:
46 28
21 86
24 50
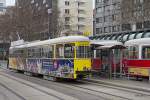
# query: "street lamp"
49 11
48 6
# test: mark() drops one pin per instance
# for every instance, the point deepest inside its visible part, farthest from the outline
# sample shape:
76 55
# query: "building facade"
107 16
2 6
135 17
76 16
116 16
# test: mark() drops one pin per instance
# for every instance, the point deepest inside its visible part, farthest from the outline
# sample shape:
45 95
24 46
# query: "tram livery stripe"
139 63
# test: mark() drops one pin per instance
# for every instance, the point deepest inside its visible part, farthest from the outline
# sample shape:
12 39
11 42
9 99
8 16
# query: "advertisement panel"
59 68
20 62
63 68
12 63
47 66
34 65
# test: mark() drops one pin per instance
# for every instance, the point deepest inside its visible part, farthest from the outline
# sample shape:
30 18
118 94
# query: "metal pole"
121 58
49 26
110 60
149 75
49 23
114 61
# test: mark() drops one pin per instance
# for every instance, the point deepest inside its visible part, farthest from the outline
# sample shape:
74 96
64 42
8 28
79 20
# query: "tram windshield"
133 52
83 52
146 52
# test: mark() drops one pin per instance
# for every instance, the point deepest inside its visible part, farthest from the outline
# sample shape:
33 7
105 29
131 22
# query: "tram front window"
83 52
146 52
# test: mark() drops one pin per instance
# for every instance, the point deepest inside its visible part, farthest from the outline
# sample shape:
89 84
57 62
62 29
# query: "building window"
139 25
99 20
67 19
106 18
1 4
67 3
67 11
81 19
81 3
138 1
107 8
67 26
115 17
147 24
81 11
81 27
126 27
99 1
99 9
106 29
116 28
98 30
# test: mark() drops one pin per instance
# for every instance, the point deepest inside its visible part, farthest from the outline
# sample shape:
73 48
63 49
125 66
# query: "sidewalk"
130 84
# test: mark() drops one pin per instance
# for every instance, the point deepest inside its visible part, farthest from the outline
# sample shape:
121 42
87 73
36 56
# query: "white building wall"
84 26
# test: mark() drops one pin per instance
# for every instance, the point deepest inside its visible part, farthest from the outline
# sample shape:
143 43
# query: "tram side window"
50 53
83 52
69 51
33 52
17 53
30 53
11 53
133 52
59 51
47 51
146 52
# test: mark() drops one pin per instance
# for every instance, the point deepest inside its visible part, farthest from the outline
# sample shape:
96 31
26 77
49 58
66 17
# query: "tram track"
78 86
12 91
54 83
87 90
22 98
141 92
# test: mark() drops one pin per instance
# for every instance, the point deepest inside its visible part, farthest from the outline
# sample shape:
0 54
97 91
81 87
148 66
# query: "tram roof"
107 44
60 40
141 41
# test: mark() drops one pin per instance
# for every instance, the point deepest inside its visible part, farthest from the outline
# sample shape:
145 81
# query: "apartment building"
2 6
76 16
107 16
117 16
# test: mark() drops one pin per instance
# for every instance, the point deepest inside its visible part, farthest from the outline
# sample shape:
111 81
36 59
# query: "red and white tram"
138 59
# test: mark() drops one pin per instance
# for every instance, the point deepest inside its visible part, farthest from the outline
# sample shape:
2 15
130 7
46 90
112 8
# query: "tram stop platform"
124 83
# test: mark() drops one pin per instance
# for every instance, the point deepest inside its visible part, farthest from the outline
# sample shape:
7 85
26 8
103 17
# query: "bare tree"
29 21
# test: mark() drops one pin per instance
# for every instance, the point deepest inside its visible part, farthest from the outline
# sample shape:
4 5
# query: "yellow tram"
64 57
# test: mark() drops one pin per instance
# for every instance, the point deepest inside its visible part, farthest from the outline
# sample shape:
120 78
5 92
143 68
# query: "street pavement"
12 88
17 86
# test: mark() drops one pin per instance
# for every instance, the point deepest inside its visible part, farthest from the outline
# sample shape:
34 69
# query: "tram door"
116 62
106 62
